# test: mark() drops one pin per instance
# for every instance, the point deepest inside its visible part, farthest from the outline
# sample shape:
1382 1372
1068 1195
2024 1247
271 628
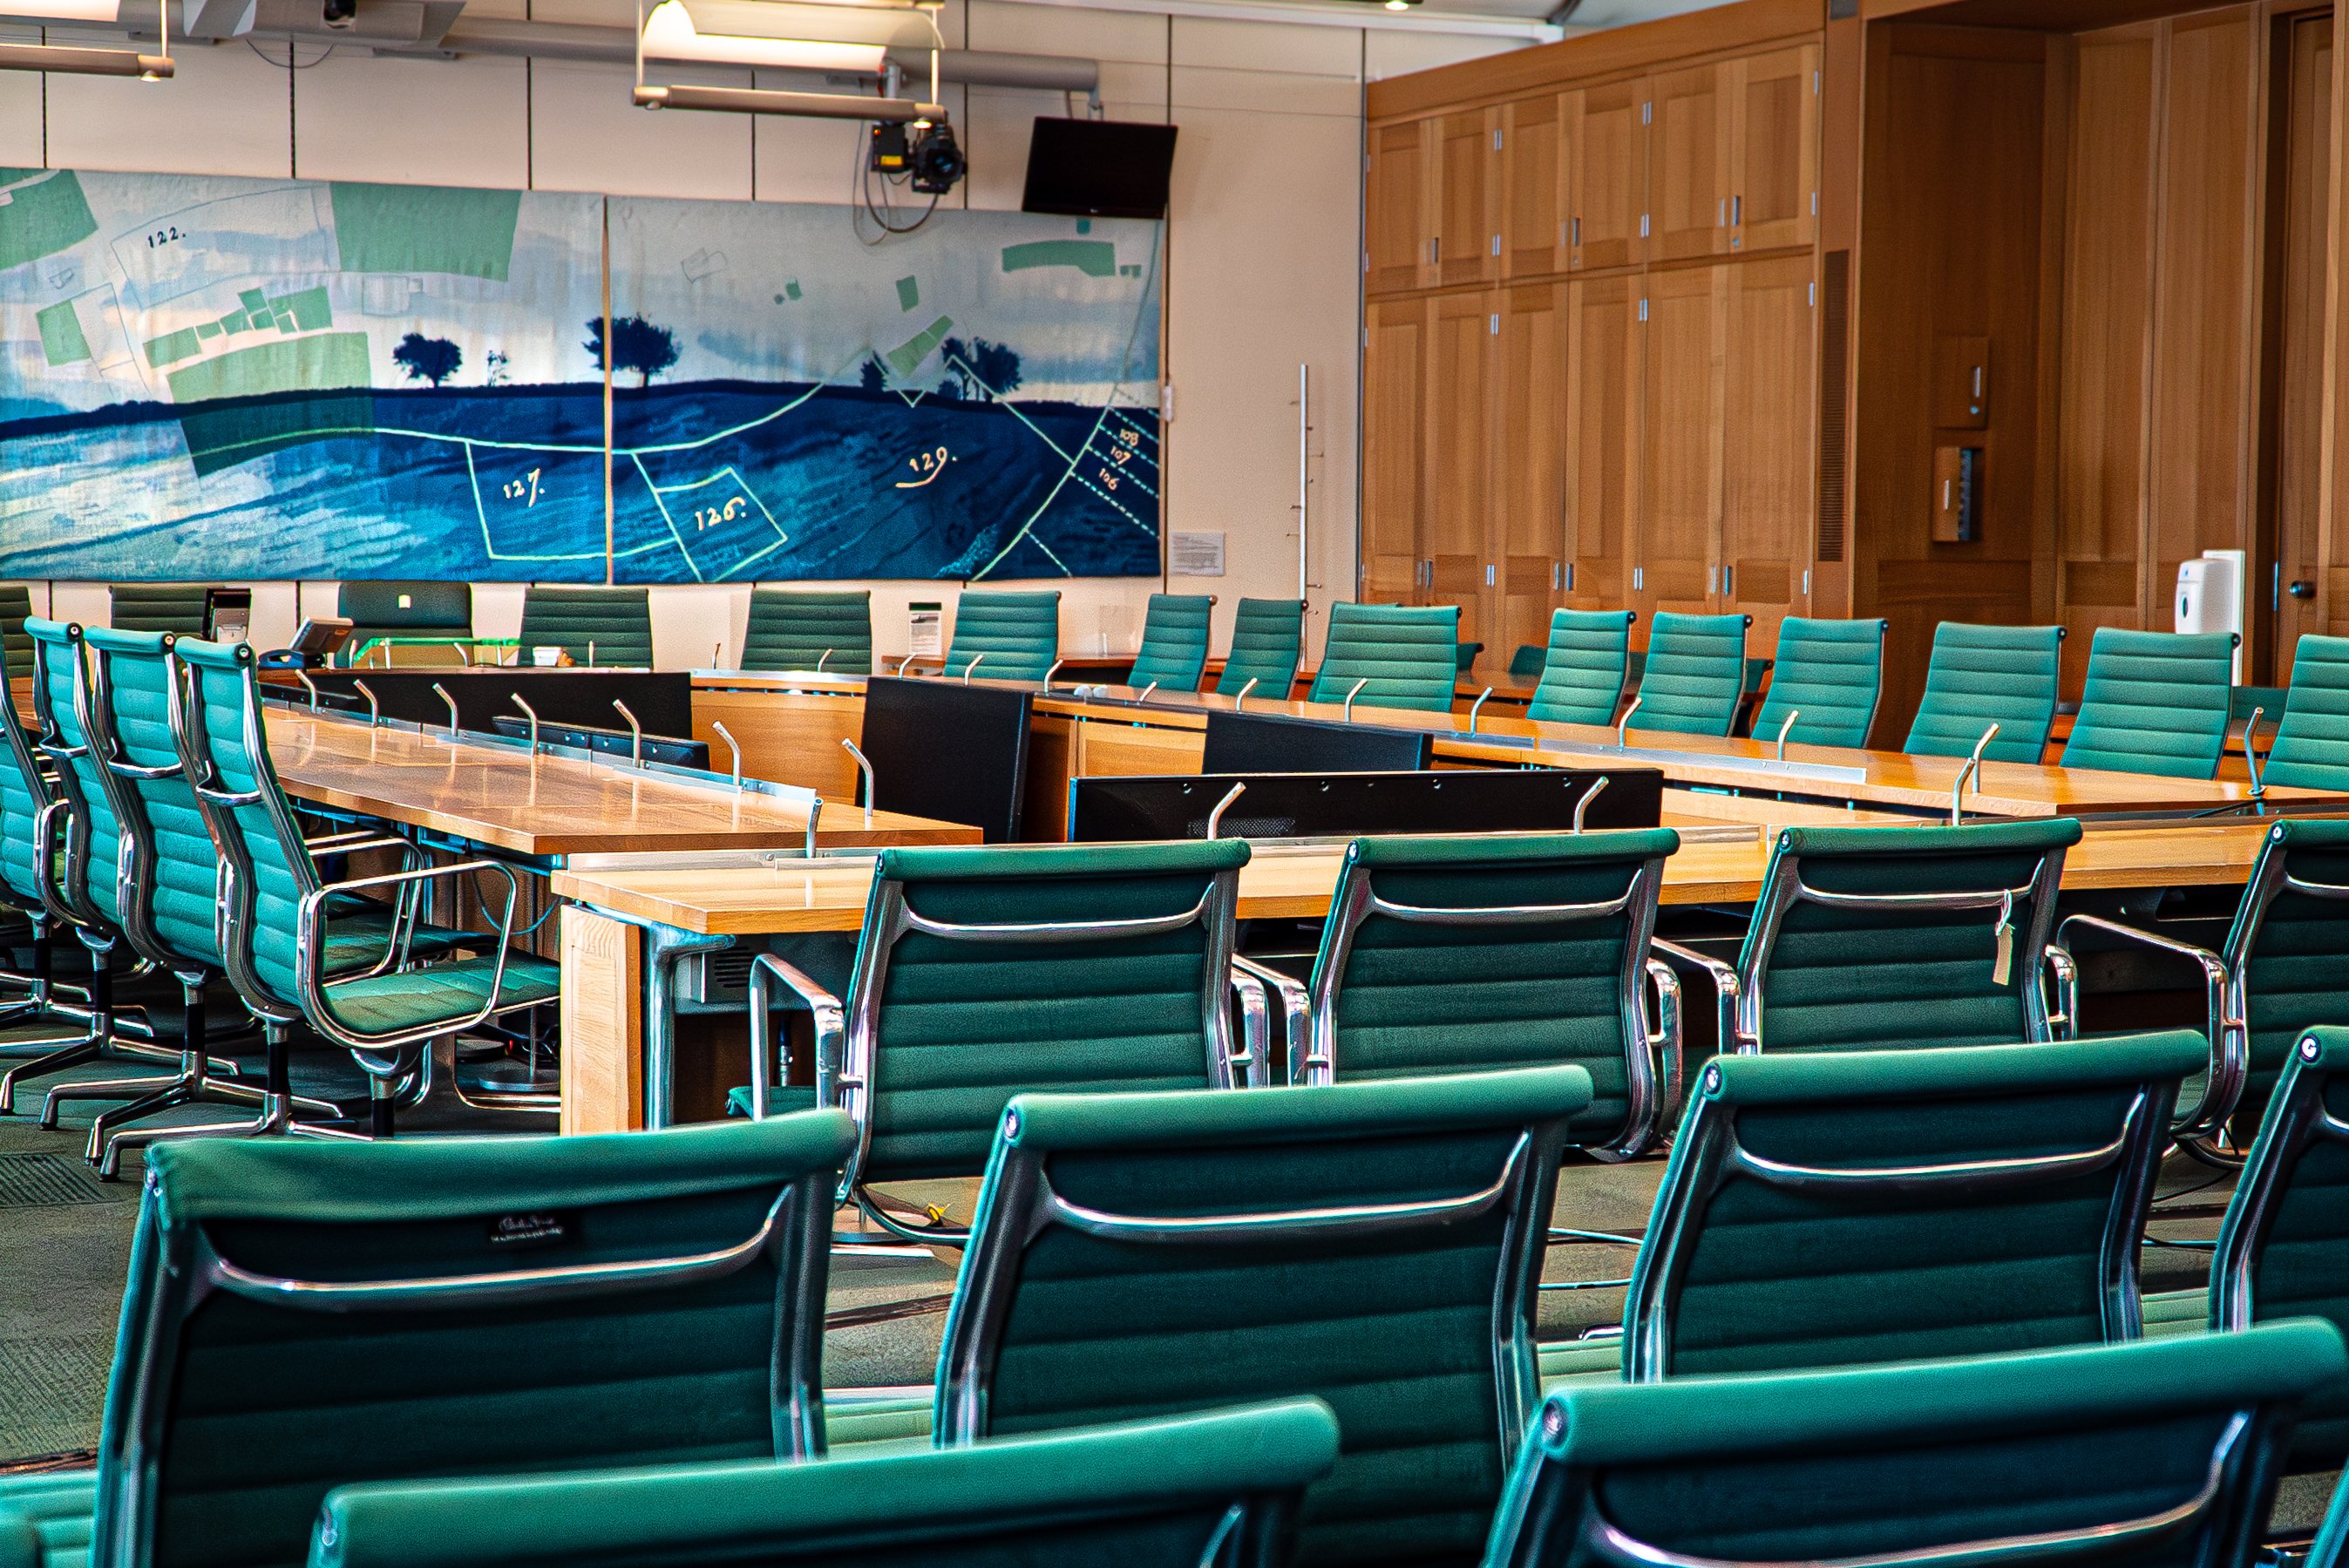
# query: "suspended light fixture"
69 61
803 34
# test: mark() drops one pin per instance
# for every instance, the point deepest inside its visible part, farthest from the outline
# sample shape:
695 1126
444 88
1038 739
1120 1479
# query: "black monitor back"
948 751
663 703
1344 805
666 748
1269 743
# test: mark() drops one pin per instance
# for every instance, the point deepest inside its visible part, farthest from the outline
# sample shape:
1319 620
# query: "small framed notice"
925 626
1195 556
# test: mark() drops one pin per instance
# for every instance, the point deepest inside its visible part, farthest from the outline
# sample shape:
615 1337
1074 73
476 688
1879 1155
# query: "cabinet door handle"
1578 231
1736 210
1489 575
2302 589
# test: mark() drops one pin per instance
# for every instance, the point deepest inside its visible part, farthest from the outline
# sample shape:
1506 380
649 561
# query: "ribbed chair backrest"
1827 676
398 609
1527 662
32 819
1406 654
1694 673
617 622
1981 675
1890 936
174 607
92 872
1267 643
1869 1206
2287 951
2163 1454
1173 654
2284 1246
15 609
2310 749
173 872
1018 633
985 972
800 628
300 1315
1582 673
1455 954
2155 702
1377 1245
1218 1490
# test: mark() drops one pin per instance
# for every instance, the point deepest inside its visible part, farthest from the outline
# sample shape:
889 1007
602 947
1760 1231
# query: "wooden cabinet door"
1467 227
1675 555
1528 454
1774 169
1533 196
1606 179
1604 375
1768 451
1394 421
2299 580
1458 433
1399 220
1688 161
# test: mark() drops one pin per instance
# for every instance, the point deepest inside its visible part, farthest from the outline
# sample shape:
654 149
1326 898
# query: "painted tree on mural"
636 344
433 359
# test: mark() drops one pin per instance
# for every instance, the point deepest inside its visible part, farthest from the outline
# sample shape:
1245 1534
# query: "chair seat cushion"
2169 1312
788 1098
444 993
357 940
1581 1361
57 1506
894 1417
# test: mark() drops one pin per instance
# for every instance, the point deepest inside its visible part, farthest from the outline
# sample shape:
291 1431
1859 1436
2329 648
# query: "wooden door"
1534 174
1688 162
2298 591
1769 453
1458 430
1774 199
1607 184
1529 422
1675 560
1467 229
1605 373
1400 222
1394 474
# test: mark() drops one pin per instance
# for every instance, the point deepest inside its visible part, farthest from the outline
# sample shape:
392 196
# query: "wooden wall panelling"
1607 139
1605 396
2300 338
1532 367
1773 199
1454 536
1400 221
1675 554
1468 199
1688 161
787 743
1768 446
1533 189
1394 401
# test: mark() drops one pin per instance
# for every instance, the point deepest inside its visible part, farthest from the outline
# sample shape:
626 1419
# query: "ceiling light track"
66 59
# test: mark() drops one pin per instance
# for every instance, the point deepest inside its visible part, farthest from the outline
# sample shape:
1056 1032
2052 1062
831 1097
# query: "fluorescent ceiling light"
62 10
785 34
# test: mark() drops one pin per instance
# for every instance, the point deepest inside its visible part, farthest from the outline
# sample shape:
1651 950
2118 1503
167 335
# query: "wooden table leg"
603 1024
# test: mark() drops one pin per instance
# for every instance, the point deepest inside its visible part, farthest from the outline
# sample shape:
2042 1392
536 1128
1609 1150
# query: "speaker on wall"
1099 167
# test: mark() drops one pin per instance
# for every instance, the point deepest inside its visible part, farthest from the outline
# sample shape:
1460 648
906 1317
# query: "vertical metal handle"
1736 210
1785 729
521 703
375 709
866 767
590 653
636 733
1588 795
1352 695
1623 730
453 708
1578 233
1215 816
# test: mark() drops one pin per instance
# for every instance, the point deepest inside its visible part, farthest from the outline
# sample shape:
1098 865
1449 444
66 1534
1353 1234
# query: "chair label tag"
527 1230
2002 968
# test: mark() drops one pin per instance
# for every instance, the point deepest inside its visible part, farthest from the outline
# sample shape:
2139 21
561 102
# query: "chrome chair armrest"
1665 1044
309 956
2064 1017
2225 1027
1255 1028
831 1025
1724 988
1309 1058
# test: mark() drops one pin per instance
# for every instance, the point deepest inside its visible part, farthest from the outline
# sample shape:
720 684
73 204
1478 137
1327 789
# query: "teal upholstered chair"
2155 702
15 609
606 627
1827 678
1377 1245
2137 1455
1218 1490
303 1316
1981 675
175 607
985 972
1267 642
1526 663
1869 1206
1005 636
1693 675
405 610
1398 655
1463 954
829 631
1582 670
2310 750
1173 655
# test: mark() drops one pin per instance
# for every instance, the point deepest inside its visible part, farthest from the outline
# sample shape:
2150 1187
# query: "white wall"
1263 248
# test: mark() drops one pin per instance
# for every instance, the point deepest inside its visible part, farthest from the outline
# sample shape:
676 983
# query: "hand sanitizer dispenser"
2211 597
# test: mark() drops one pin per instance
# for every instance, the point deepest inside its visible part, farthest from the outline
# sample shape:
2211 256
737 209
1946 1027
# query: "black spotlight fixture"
937 162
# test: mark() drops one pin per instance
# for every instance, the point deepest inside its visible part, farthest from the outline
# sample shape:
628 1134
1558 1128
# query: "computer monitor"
948 751
321 637
1267 743
1344 805
228 615
666 748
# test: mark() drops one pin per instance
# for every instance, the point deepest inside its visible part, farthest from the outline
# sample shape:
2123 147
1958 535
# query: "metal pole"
635 730
736 745
519 703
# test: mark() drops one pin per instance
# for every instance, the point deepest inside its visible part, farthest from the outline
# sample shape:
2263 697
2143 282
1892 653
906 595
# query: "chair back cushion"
617 622
93 876
1694 676
431 610
2289 945
1582 673
179 888
174 607
2310 749
1407 653
1267 641
2155 702
1173 653
794 628
1981 675
1828 674
1020 633
15 609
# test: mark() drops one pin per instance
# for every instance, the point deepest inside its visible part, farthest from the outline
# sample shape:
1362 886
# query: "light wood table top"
1294 881
550 806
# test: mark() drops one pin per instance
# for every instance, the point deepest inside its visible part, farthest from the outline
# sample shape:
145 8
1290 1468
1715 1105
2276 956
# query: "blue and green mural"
235 378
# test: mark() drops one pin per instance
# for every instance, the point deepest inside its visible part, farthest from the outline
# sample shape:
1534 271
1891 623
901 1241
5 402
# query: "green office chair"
1215 1490
1526 663
1582 670
15 609
1377 1245
824 631
1981 675
609 628
405 610
175 607
1390 656
1868 1206
301 1316
1828 677
1173 655
985 972
2310 750
1693 675
1267 642
1005 636
2155 702
1465 955
2130 1456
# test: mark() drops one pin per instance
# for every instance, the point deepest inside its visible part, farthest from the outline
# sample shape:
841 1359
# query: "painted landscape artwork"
238 378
